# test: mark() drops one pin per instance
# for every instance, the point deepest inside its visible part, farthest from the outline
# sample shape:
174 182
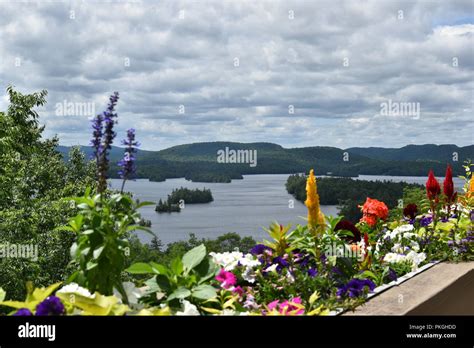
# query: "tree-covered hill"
198 161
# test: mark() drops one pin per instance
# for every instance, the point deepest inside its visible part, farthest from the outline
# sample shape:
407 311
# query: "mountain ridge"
198 161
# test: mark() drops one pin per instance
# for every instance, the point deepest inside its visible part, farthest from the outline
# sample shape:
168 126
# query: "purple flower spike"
127 164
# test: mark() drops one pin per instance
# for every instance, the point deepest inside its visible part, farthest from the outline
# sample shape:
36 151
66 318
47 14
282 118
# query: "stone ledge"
444 289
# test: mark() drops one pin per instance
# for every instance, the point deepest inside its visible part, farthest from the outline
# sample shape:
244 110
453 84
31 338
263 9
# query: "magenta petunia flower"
227 279
238 290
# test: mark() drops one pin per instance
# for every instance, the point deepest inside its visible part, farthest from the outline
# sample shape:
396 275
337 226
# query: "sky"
296 73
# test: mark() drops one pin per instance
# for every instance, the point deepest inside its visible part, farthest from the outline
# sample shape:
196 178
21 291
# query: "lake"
242 206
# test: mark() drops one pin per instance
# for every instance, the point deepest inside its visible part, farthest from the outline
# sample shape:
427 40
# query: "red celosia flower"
432 187
448 185
373 210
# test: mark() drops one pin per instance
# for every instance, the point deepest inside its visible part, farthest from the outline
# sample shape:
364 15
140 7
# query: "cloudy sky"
296 73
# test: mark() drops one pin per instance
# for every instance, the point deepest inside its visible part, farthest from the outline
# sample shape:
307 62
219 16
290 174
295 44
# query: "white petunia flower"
74 288
249 275
271 268
188 309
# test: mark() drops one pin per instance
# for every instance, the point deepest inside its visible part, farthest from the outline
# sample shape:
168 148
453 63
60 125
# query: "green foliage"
185 278
34 179
281 238
101 248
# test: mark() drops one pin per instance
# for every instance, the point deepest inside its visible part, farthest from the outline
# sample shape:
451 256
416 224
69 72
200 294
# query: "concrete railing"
444 289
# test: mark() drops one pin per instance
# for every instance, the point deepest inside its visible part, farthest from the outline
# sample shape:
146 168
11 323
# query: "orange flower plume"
470 191
315 215
372 211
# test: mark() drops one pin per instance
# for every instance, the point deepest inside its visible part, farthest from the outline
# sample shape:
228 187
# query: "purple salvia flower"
127 164
103 137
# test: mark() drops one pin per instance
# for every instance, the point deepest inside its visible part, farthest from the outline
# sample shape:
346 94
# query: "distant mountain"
427 152
199 161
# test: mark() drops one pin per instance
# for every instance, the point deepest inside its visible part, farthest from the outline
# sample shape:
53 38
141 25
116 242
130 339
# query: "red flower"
432 187
410 210
348 226
448 185
373 210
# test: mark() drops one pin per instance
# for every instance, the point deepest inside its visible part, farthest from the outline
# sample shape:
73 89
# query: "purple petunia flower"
312 272
355 287
50 306
392 275
23 312
425 221
280 262
259 249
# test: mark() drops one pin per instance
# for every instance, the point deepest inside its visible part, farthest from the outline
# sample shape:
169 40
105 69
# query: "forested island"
179 197
349 193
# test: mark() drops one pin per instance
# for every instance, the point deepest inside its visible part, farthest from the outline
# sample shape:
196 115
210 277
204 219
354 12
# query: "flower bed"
325 267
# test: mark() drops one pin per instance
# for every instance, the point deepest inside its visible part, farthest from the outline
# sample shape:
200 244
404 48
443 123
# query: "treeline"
186 196
349 193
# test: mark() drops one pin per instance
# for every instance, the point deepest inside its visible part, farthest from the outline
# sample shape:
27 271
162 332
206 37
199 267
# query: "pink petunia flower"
227 279
238 290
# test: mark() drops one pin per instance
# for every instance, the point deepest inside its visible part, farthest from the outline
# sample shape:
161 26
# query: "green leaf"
39 294
2 294
91 265
141 228
176 266
159 269
97 252
179 293
194 257
143 204
163 282
204 292
140 268
314 296
206 270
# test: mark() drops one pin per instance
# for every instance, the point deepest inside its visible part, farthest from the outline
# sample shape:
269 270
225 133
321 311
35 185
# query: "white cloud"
283 61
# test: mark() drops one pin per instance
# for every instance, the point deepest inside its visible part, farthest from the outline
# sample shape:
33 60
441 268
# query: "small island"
181 196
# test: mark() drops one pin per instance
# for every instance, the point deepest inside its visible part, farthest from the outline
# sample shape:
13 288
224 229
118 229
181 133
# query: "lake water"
242 206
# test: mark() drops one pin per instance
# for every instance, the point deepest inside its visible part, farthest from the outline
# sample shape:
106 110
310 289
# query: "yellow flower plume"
316 220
